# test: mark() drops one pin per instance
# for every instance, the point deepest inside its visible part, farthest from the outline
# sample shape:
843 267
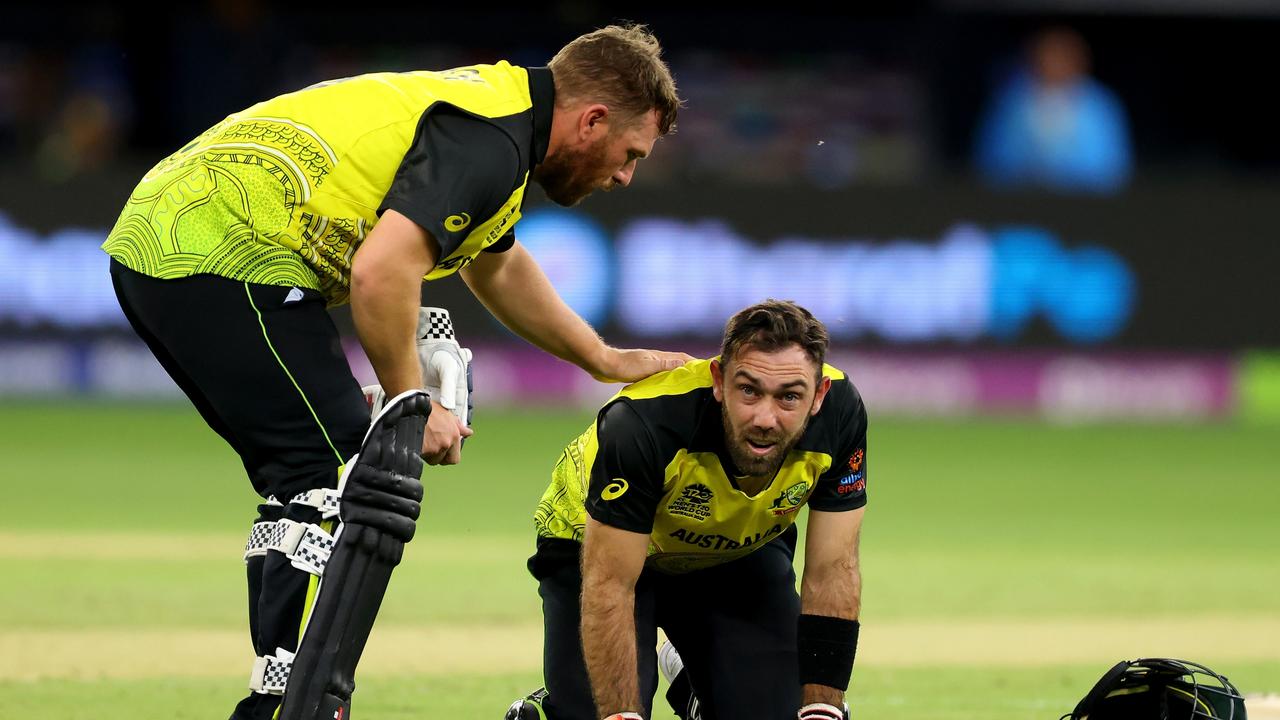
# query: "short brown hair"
774 325
620 66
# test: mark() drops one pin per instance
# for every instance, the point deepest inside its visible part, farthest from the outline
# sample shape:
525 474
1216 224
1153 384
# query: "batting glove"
374 395
446 366
821 711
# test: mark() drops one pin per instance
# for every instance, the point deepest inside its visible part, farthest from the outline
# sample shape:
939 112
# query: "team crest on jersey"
694 502
855 460
790 499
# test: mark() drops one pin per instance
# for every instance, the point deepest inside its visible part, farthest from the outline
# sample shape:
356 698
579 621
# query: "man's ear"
593 121
819 394
717 381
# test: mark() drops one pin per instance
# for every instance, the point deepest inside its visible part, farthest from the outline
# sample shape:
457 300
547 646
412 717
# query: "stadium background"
1074 392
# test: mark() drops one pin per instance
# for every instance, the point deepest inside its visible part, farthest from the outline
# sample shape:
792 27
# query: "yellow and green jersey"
655 462
284 192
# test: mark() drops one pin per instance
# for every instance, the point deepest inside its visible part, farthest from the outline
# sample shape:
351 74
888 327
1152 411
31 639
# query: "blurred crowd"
829 116
827 119
65 109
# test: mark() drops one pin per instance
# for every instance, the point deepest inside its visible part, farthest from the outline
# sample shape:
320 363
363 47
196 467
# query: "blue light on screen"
660 276
1086 294
59 281
681 277
576 255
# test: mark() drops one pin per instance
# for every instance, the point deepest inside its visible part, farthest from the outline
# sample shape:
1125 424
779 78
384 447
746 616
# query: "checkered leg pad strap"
436 326
306 545
326 500
271 672
261 538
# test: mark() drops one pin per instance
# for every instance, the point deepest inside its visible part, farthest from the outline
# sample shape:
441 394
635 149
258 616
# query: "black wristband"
826 646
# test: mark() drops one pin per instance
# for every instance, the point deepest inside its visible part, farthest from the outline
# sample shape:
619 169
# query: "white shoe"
669 662
670 665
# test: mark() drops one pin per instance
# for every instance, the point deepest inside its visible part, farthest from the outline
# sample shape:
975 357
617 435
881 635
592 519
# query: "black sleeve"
627 475
844 486
503 243
457 173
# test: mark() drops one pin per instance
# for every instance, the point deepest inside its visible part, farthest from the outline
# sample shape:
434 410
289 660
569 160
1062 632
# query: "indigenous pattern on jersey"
284 192
655 462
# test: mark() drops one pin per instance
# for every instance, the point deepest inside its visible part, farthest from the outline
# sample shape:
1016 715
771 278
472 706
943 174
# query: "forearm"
385 315
609 645
520 296
386 290
830 593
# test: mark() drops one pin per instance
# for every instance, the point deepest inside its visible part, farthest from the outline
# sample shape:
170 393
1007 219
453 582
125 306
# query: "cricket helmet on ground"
1160 689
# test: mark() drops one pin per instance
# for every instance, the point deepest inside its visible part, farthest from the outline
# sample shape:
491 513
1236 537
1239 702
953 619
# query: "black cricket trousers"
734 626
264 366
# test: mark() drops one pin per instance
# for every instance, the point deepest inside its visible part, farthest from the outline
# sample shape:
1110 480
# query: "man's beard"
748 462
566 177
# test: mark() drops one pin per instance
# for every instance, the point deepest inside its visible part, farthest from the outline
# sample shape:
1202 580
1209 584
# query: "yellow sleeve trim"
688 377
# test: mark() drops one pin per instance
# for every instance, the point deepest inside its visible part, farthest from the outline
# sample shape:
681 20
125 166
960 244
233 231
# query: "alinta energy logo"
457 223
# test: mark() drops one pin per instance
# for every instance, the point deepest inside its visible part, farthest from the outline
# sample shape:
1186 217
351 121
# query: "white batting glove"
376 398
823 711
446 366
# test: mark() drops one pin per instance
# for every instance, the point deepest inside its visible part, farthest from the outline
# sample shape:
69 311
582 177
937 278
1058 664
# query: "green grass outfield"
1006 566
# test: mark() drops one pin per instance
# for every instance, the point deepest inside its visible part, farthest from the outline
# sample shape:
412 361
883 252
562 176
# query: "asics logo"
614 490
454 223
